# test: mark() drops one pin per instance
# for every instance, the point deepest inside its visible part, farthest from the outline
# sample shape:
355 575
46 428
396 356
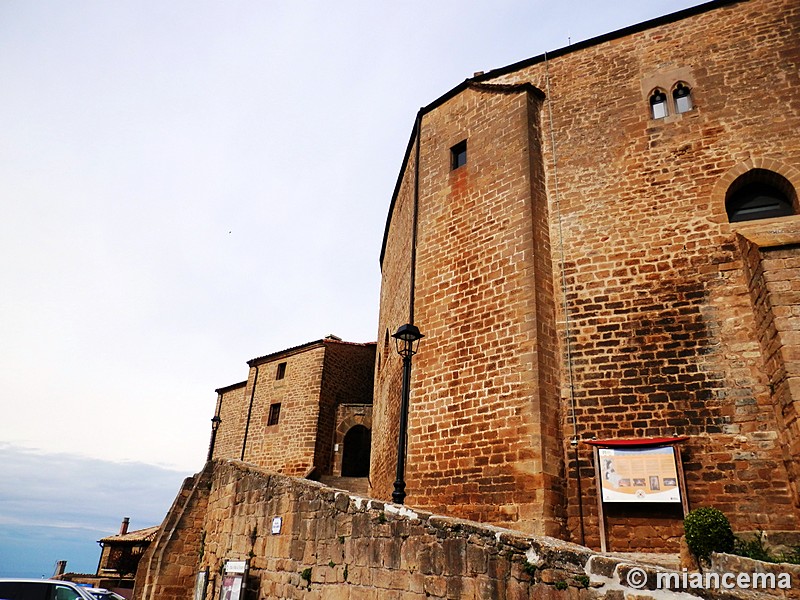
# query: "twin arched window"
681 101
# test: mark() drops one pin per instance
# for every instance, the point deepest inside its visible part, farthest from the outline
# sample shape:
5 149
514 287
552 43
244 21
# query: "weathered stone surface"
398 554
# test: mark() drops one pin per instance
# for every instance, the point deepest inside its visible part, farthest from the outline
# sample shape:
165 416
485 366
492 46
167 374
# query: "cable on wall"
567 329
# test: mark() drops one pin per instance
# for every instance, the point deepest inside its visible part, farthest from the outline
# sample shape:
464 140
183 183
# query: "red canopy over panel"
629 442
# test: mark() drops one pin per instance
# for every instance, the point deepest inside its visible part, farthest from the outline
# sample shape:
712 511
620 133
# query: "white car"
41 589
101 594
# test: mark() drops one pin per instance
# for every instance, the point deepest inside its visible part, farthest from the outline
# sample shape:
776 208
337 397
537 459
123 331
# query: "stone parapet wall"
337 546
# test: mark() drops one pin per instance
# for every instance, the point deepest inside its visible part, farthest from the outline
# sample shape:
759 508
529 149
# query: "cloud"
56 506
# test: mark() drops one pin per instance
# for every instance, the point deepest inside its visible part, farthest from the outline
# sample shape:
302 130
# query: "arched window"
682 95
658 104
760 194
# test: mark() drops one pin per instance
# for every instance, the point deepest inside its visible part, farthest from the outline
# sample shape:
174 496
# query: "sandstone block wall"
347 379
483 426
316 378
335 546
657 329
232 405
288 447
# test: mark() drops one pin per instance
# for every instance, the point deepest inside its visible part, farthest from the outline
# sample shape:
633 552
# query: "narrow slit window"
658 104
281 372
458 155
274 414
683 98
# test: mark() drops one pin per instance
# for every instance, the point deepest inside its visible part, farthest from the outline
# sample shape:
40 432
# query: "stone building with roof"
119 560
305 411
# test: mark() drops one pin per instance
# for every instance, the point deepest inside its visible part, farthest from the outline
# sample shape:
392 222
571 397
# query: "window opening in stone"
274 414
355 456
281 372
658 104
760 194
683 98
458 155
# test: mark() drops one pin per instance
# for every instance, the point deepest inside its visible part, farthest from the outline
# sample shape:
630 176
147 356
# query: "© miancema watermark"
637 578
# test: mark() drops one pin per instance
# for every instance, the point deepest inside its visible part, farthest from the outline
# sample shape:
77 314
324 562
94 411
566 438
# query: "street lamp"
406 341
215 421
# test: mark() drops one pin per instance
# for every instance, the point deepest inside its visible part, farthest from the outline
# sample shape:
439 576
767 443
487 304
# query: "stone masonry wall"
347 378
657 327
348 416
232 406
288 447
393 312
771 251
484 435
338 547
317 378
170 562
662 330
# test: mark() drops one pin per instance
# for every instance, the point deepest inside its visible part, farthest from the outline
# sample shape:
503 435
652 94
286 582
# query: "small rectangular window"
274 414
281 372
458 155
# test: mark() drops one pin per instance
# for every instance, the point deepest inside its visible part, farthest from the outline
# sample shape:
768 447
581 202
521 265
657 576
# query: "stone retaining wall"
336 546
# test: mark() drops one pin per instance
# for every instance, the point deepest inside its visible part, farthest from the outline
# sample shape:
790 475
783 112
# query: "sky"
187 185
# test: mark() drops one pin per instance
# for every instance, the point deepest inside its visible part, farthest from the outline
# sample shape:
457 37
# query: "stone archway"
356 452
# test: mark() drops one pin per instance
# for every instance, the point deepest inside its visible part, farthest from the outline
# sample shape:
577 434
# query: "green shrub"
708 530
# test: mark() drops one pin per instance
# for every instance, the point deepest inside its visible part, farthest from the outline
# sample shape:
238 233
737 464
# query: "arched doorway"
355 456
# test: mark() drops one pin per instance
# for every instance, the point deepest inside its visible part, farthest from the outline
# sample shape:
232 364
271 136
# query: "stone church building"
603 242
601 245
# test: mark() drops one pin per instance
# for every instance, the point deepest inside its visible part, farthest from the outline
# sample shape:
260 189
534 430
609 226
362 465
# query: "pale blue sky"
186 185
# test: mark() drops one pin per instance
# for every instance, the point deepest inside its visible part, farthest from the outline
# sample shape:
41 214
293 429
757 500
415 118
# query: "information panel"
639 475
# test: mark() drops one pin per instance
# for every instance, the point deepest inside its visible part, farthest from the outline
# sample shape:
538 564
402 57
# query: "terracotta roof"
230 387
132 537
329 339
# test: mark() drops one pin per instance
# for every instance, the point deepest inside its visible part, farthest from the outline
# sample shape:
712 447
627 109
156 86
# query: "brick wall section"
232 403
663 332
483 428
347 378
663 335
288 447
393 312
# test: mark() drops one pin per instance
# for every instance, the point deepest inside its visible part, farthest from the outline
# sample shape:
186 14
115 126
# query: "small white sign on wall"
236 566
277 523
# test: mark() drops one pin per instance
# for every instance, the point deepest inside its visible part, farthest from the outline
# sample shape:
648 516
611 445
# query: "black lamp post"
215 421
407 341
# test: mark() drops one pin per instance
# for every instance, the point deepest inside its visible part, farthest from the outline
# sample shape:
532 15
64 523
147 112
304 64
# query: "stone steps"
356 485
636 577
